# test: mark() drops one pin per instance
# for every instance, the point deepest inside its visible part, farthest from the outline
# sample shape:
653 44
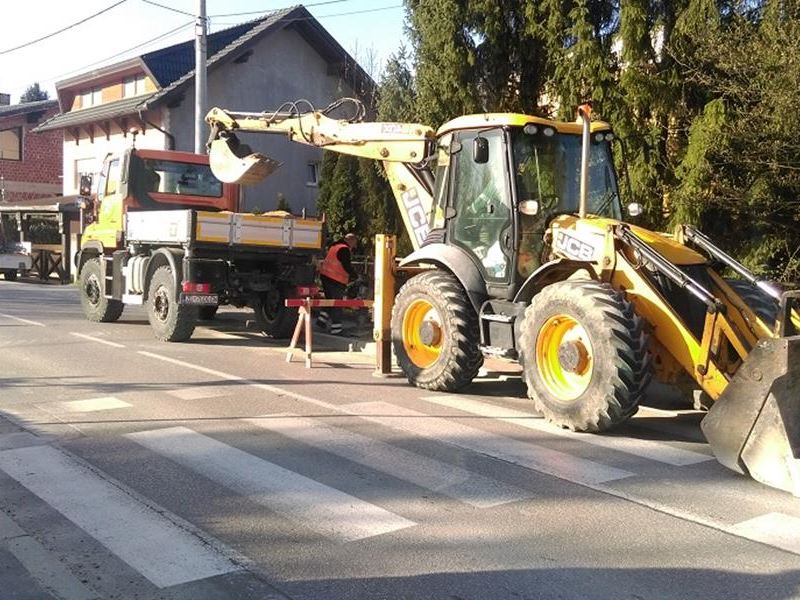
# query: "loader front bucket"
234 162
754 426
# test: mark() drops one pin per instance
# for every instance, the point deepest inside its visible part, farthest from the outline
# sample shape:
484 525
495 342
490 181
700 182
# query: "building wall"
86 155
38 174
283 67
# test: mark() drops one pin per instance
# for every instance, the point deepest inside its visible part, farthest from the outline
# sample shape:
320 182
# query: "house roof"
25 108
103 112
173 67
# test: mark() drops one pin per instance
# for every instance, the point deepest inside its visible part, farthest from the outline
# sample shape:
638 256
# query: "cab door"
482 221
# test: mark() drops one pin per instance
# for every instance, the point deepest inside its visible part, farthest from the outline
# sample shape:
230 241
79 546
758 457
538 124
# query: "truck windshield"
187 179
547 167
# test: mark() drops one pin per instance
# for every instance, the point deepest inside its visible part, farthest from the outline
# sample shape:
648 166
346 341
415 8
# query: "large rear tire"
10 274
273 318
435 333
584 355
96 307
170 321
765 307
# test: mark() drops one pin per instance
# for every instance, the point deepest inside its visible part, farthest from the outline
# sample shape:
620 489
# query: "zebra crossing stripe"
425 472
775 529
144 538
326 510
650 449
525 454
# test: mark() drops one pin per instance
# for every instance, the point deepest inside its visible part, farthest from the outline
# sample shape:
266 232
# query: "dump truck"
523 250
165 233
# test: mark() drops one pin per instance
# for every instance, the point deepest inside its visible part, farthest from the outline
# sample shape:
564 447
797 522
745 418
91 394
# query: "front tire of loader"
765 307
96 307
584 355
170 321
435 333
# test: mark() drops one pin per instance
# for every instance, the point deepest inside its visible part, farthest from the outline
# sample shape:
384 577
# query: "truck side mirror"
85 187
480 150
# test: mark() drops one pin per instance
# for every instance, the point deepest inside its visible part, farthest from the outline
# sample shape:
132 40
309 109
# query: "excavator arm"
403 148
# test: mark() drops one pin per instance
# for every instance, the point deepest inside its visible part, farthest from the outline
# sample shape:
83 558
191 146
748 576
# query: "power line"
175 10
49 35
343 14
260 12
123 52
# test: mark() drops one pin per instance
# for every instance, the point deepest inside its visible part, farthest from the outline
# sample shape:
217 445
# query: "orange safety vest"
332 268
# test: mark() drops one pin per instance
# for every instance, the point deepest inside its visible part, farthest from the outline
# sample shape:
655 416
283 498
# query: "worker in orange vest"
336 271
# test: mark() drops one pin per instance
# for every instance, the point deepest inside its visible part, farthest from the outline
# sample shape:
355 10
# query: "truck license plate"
199 299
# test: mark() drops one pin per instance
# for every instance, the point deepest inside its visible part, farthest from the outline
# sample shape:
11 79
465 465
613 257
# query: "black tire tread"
185 316
462 363
761 304
625 390
107 310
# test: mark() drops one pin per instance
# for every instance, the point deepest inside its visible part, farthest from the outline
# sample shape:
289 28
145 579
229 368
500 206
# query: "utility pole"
200 88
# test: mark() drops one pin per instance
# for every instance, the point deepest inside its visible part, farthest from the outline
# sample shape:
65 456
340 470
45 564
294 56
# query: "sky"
133 27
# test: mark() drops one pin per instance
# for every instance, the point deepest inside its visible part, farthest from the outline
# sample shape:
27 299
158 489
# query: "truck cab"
165 233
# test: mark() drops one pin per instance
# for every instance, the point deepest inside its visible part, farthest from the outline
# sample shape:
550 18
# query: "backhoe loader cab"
521 250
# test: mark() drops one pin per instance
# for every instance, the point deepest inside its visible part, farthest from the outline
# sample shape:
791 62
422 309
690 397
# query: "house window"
85 166
91 97
133 86
312 174
11 144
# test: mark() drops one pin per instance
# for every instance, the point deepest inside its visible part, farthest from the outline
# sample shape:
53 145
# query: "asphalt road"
131 468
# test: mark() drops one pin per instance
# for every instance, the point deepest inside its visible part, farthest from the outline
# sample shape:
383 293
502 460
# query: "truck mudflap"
234 162
754 426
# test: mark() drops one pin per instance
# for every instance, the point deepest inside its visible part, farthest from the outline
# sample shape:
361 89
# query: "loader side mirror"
634 209
480 150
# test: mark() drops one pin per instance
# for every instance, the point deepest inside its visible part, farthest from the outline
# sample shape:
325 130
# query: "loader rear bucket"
754 426
234 162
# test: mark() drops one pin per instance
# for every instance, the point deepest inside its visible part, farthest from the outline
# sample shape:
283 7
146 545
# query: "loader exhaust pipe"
585 114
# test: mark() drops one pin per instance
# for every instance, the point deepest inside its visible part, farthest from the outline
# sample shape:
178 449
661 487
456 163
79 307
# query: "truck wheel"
95 306
435 333
171 322
10 275
207 313
584 355
273 318
765 307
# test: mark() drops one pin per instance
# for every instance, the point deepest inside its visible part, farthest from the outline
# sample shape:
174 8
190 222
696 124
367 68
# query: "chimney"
5 99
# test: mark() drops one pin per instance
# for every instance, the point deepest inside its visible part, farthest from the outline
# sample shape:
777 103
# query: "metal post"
585 113
200 88
385 250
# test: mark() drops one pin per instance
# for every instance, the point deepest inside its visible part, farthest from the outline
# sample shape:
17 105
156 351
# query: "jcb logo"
574 247
415 214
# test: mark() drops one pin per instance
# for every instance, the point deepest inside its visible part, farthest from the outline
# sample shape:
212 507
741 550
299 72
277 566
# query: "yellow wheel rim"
564 357
422 333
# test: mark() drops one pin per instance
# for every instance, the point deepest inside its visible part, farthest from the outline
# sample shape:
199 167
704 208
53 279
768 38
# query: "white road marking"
94 404
775 529
48 570
654 505
423 471
97 339
143 537
650 449
197 392
525 454
21 320
319 507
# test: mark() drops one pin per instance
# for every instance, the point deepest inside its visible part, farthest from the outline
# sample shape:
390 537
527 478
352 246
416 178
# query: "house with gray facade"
255 66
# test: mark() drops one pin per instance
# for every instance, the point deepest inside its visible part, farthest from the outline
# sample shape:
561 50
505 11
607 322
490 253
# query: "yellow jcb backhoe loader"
519 222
